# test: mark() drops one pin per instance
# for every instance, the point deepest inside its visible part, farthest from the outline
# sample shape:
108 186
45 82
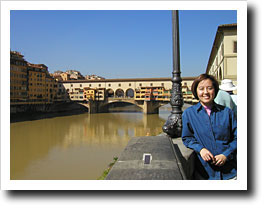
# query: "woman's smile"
206 92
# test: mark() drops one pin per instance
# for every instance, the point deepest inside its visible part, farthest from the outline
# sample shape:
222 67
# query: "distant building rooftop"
127 80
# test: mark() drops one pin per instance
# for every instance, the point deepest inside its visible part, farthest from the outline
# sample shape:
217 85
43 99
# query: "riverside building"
37 92
31 85
223 57
18 78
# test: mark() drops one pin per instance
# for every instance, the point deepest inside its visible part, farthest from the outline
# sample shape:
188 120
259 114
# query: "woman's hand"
207 155
220 160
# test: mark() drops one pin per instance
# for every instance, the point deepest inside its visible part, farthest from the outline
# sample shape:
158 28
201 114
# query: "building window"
130 84
99 85
109 85
140 84
235 46
80 85
90 85
151 84
220 74
119 85
71 85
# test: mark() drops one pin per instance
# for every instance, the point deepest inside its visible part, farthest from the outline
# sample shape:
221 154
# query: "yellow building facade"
30 83
89 94
37 83
152 93
95 94
51 89
18 78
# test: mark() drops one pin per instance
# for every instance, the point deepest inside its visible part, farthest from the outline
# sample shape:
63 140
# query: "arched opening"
119 93
130 93
110 93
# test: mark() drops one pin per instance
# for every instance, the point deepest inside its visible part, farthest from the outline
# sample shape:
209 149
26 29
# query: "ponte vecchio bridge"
147 93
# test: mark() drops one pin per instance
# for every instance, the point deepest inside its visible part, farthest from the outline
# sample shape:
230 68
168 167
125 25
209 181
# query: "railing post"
173 126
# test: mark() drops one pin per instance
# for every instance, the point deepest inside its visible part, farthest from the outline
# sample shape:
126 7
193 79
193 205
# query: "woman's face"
206 92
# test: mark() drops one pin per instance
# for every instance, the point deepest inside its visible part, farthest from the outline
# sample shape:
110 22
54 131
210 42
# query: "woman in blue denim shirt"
211 131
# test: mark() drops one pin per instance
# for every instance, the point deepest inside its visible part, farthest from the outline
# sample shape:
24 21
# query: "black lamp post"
173 126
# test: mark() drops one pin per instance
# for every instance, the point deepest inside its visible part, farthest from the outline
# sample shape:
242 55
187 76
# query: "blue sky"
116 44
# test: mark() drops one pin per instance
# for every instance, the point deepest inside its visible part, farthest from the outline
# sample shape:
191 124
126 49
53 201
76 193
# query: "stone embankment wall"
35 112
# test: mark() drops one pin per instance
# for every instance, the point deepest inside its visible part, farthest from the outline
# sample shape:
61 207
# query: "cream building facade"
223 58
120 87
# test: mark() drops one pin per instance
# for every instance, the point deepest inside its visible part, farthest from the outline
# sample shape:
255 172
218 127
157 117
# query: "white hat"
227 85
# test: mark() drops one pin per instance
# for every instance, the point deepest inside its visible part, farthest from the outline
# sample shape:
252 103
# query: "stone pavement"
153 158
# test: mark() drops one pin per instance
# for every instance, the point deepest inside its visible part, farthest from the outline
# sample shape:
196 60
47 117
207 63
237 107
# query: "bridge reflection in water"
76 147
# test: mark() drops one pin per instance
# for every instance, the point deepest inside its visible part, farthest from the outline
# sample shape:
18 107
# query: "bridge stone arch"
119 93
129 93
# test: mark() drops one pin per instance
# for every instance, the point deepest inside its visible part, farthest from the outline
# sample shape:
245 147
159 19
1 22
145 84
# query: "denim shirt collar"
215 107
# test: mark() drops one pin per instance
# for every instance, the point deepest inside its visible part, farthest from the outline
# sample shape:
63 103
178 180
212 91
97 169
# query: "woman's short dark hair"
202 77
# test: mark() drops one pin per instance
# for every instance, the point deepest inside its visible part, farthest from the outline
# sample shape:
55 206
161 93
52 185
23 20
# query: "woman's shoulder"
191 109
225 110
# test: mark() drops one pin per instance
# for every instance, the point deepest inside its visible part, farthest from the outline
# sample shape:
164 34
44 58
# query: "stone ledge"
168 162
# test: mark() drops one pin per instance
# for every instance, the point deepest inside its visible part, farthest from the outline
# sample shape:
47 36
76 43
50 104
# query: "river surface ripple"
78 147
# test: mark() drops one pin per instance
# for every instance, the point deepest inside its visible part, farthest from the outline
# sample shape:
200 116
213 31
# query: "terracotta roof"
41 66
228 25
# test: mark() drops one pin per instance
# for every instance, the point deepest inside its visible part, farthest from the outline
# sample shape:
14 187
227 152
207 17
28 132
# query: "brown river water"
77 147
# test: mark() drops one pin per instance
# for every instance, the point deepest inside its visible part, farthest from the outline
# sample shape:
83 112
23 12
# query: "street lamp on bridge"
173 126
